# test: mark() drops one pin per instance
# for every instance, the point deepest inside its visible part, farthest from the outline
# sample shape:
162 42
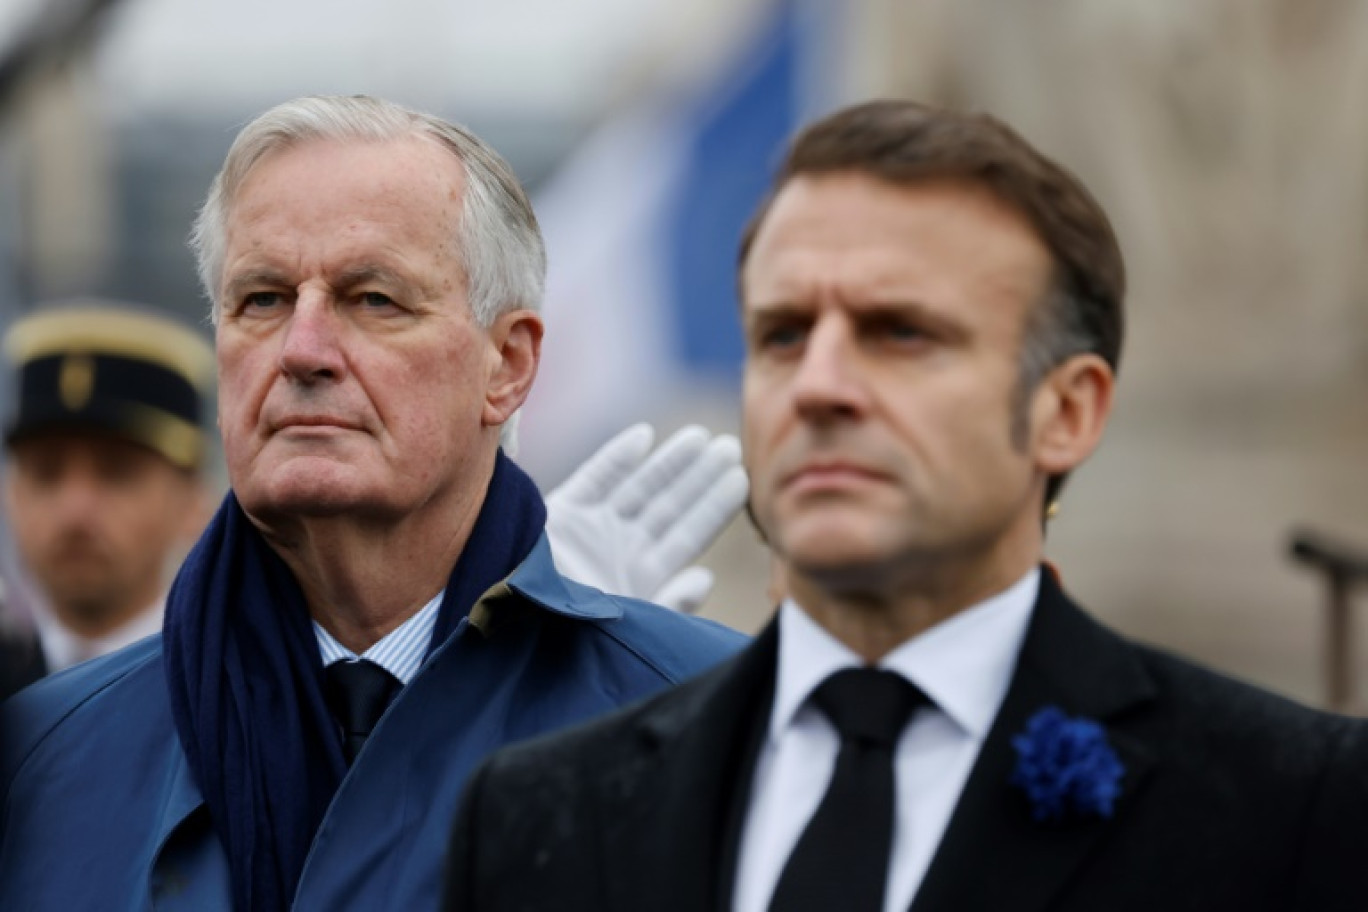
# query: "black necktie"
841 860
358 693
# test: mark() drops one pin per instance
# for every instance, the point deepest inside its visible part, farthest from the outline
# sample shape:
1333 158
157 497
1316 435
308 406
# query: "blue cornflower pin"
1066 766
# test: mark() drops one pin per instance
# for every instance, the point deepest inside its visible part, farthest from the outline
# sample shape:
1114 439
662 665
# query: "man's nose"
77 497
828 382
312 349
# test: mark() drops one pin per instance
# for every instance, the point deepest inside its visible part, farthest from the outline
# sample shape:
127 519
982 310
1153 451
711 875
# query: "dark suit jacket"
21 660
1233 800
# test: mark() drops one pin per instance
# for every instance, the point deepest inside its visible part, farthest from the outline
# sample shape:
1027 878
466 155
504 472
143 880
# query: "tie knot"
358 693
868 704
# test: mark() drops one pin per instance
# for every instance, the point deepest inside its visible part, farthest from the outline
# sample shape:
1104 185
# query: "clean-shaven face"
352 375
883 326
96 519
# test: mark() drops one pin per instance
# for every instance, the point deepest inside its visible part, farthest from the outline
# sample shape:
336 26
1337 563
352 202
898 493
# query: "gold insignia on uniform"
65 354
76 381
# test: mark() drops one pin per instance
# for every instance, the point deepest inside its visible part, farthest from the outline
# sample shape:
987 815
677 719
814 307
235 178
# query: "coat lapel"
688 773
994 855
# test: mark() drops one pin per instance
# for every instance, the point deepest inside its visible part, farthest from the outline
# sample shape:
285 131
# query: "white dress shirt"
963 665
63 647
400 652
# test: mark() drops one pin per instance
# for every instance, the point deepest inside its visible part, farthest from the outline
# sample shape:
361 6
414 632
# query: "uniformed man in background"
103 483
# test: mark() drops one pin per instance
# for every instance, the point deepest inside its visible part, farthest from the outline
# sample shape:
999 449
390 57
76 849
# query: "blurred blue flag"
642 225
734 138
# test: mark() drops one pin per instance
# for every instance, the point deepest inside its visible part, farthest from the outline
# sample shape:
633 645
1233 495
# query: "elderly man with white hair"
374 607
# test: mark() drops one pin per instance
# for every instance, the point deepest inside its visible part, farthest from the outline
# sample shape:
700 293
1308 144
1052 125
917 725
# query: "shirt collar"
964 664
63 647
400 652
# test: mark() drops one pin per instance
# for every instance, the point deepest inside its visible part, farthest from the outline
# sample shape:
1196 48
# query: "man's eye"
782 336
260 300
896 330
42 473
375 299
119 469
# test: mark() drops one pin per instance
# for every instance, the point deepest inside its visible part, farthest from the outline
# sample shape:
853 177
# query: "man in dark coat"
933 316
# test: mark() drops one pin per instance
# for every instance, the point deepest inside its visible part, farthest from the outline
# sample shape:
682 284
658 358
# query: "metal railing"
1344 567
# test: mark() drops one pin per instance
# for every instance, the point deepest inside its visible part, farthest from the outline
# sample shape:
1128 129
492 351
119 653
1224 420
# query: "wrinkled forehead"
409 169
240 167
859 234
387 208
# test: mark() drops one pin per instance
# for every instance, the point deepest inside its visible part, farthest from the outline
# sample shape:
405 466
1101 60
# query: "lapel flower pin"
1066 767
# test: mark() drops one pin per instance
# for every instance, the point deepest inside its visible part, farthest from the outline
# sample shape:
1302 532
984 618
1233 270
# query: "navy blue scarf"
246 681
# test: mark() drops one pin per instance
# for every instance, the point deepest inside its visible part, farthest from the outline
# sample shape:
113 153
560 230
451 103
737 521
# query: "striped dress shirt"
400 652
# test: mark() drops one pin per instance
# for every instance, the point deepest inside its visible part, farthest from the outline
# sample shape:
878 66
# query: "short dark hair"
904 142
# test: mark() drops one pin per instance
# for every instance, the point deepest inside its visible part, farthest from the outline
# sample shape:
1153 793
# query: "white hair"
500 243
498 237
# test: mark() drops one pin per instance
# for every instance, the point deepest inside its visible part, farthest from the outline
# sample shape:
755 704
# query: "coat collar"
537 580
697 746
1070 661
695 750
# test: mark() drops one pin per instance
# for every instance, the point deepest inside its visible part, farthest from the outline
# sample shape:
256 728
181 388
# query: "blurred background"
1228 139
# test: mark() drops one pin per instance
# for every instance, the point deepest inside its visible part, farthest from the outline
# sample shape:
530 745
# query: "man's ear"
515 339
1069 412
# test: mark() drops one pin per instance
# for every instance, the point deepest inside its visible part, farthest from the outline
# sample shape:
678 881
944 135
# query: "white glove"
629 524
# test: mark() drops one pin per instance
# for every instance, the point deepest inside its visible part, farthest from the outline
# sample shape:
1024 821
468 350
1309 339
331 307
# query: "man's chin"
823 556
302 487
834 536
84 602
301 503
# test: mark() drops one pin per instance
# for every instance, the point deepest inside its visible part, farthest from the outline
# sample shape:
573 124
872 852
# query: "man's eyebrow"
367 272
253 278
771 311
348 278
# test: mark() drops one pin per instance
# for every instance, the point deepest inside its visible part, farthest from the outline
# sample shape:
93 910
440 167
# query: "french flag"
642 224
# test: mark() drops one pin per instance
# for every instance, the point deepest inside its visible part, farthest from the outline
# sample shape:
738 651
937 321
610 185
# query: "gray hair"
500 243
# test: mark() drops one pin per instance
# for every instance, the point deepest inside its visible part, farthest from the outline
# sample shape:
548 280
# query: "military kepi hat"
113 370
